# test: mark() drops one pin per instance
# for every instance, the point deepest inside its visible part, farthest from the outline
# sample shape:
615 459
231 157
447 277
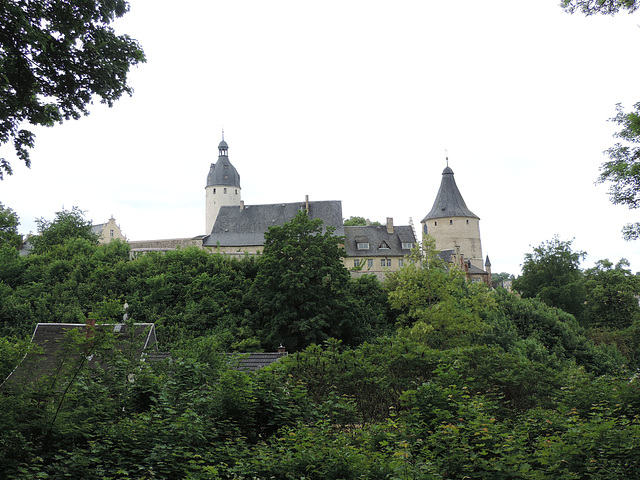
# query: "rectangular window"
400 262
111 233
225 190
388 262
370 262
383 263
356 262
407 246
363 246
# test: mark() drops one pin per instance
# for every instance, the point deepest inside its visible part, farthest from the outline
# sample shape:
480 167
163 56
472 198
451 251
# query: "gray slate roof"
222 172
53 347
246 226
250 362
449 201
375 236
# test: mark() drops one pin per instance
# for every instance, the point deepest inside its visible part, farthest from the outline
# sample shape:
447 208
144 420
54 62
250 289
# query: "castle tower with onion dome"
223 186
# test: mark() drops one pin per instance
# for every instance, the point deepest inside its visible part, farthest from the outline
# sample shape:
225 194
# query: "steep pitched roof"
378 239
449 201
246 226
54 347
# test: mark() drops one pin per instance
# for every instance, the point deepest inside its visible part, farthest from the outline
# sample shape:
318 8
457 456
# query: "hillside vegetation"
424 375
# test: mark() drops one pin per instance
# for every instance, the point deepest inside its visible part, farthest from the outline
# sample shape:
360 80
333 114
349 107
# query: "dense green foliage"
611 295
623 168
358 221
9 222
67 225
54 58
430 377
606 7
501 279
552 274
301 288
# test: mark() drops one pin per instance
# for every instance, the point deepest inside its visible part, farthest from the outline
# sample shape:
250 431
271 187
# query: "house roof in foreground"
53 347
250 362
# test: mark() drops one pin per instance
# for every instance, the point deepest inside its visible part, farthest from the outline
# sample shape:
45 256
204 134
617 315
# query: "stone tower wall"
216 198
449 232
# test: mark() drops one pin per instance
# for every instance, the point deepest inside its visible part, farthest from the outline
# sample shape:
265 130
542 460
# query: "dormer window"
407 245
384 246
363 246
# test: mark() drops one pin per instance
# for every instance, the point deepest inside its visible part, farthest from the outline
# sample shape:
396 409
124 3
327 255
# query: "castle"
233 228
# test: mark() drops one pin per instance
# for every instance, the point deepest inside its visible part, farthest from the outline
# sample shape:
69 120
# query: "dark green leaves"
54 58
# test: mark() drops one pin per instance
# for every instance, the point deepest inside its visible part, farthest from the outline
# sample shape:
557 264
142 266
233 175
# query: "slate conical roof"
449 201
222 172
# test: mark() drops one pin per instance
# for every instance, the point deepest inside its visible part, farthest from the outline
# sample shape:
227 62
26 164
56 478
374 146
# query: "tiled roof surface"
236 226
223 173
53 348
378 237
449 201
251 362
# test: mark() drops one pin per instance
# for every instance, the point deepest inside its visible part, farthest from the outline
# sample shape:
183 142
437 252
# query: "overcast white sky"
355 101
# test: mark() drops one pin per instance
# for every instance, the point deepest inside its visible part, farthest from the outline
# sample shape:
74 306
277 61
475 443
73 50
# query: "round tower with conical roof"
452 225
223 186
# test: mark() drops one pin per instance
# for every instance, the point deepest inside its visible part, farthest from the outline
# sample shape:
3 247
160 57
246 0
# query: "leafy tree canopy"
623 167
66 226
301 285
552 274
612 295
54 57
605 7
9 222
358 221
498 279
438 303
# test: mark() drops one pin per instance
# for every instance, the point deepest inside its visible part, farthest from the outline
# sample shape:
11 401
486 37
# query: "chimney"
241 204
90 327
389 224
306 203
